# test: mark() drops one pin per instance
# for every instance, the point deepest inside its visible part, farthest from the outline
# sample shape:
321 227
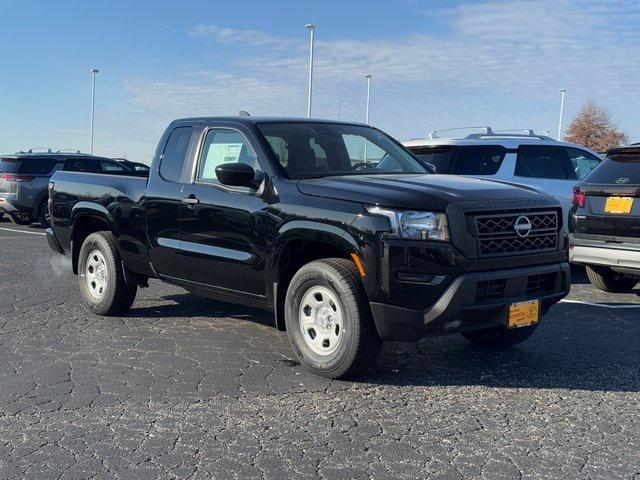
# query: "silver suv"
518 156
24 178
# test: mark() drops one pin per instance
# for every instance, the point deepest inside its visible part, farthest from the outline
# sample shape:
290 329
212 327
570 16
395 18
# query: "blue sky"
436 64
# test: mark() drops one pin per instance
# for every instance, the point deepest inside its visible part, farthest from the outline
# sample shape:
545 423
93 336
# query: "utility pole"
312 28
562 92
368 76
93 105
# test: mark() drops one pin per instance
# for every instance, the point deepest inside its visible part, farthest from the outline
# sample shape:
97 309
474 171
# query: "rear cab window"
541 161
175 153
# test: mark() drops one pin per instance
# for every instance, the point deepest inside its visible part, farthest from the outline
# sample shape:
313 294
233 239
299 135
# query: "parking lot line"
603 305
21 231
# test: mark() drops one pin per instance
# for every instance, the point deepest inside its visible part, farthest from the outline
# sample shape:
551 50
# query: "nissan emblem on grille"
522 226
516 233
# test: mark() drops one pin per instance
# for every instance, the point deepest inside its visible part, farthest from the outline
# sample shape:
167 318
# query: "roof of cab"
249 120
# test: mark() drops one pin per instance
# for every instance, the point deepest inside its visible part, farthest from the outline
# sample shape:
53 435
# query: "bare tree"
594 128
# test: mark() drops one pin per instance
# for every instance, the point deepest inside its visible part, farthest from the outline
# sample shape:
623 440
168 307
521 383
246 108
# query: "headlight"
415 224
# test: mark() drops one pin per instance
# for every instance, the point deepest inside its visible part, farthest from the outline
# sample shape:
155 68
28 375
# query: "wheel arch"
300 242
87 218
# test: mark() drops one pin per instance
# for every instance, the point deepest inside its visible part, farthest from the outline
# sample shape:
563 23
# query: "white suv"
515 156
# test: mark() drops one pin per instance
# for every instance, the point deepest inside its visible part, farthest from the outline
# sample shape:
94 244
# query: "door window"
478 160
439 157
540 161
109 166
175 153
224 146
582 162
82 165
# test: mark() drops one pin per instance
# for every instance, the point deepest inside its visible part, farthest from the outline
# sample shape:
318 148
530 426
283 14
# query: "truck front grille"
516 233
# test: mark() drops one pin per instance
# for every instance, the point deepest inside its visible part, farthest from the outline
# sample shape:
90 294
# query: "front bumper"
474 301
610 256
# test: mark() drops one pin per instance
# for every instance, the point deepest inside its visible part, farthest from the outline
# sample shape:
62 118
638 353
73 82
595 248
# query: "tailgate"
8 166
610 211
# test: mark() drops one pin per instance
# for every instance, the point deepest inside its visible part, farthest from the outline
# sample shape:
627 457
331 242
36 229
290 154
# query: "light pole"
562 92
312 28
93 105
368 76
339 107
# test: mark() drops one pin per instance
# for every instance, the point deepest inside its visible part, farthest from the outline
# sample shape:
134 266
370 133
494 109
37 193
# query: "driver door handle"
191 200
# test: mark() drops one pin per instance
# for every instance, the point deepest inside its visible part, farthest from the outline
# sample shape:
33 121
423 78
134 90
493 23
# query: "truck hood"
421 191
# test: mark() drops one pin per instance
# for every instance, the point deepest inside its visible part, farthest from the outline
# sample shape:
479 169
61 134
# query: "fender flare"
303 230
82 210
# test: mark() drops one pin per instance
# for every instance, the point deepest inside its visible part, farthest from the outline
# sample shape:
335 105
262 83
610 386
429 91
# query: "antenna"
243 113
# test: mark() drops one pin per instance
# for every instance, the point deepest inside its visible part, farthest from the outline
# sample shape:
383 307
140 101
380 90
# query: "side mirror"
236 175
432 167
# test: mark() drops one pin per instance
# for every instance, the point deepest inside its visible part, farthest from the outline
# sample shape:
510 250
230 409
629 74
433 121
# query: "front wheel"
499 337
328 319
100 276
609 281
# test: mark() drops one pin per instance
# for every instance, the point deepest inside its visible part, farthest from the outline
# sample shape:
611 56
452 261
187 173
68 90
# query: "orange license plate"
618 205
523 314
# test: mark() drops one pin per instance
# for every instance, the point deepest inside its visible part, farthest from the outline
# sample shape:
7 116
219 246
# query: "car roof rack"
435 133
37 150
69 150
489 132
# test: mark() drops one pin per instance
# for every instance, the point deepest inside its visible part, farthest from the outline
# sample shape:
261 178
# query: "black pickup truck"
333 226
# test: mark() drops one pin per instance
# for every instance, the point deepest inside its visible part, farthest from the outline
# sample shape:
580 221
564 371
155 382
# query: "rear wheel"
328 319
609 281
100 276
43 215
500 337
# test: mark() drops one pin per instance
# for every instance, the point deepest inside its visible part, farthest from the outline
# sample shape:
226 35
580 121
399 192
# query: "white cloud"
494 62
230 35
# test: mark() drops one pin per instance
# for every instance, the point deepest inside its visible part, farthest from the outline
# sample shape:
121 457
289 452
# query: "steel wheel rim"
96 274
321 320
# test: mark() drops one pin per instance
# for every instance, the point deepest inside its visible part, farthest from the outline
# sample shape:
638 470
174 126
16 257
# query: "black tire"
360 344
118 296
609 281
21 219
42 218
500 337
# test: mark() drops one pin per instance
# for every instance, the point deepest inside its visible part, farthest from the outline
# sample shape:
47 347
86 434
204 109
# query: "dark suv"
605 222
24 177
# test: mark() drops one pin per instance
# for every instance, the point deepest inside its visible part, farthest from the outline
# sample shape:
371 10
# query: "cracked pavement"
185 387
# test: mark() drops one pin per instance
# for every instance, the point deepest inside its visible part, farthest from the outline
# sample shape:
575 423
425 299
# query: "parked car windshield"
308 150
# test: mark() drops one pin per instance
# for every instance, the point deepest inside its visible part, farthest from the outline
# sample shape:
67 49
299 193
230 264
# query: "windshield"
309 150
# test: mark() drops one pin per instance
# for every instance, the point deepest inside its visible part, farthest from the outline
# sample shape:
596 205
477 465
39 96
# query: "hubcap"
96 274
321 320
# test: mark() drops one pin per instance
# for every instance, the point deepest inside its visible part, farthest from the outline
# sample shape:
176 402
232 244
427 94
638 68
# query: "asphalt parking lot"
185 387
